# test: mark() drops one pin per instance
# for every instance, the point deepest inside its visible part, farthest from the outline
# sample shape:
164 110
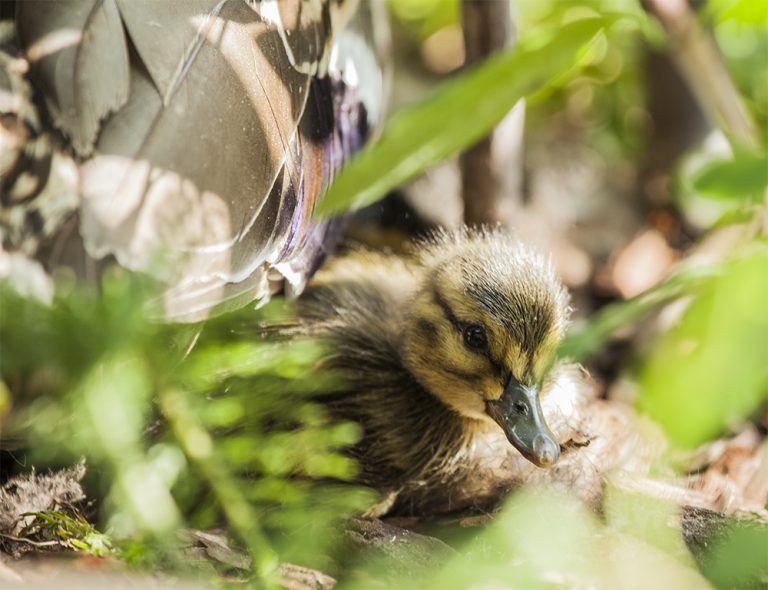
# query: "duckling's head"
482 330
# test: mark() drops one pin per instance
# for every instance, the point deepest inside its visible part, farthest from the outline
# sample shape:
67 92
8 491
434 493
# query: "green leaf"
584 341
745 178
741 11
711 370
457 115
736 216
737 559
655 521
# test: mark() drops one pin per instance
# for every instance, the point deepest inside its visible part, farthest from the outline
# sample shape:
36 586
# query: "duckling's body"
424 391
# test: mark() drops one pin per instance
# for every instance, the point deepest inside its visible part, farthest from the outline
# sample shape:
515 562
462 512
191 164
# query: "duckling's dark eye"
474 337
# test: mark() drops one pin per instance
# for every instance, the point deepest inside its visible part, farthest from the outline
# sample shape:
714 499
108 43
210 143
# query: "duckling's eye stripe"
428 330
451 317
447 311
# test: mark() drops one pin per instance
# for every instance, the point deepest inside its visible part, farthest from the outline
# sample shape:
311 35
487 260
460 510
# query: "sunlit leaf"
584 341
711 370
737 216
742 11
457 115
743 178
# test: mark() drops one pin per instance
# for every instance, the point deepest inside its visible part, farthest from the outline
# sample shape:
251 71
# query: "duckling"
450 371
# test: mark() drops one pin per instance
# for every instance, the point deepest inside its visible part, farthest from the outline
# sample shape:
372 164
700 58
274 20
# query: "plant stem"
583 342
487 28
198 447
699 61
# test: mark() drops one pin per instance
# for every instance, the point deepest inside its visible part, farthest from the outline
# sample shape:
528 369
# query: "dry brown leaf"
296 577
642 263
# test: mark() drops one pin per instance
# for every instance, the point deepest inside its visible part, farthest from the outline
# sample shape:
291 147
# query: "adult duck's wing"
204 132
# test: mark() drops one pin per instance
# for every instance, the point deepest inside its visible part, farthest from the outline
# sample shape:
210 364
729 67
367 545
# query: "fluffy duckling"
450 372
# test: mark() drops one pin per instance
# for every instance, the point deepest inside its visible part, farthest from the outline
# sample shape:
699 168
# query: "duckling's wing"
204 131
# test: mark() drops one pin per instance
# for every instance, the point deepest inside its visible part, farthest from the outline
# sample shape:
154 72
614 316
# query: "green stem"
584 341
198 446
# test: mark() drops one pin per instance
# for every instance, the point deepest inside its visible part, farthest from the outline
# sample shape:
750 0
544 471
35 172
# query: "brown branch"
699 61
487 28
55 543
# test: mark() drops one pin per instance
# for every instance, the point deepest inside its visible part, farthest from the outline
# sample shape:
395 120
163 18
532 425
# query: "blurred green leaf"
743 11
740 558
541 536
180 425
711 370
424 17
544 539
584 341
735 217
212 364
457 115
744 178
652 520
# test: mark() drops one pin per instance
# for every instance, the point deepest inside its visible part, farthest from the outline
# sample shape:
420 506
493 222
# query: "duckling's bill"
519 414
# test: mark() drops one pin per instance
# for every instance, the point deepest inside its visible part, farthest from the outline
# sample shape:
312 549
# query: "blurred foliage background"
206 426
193 426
